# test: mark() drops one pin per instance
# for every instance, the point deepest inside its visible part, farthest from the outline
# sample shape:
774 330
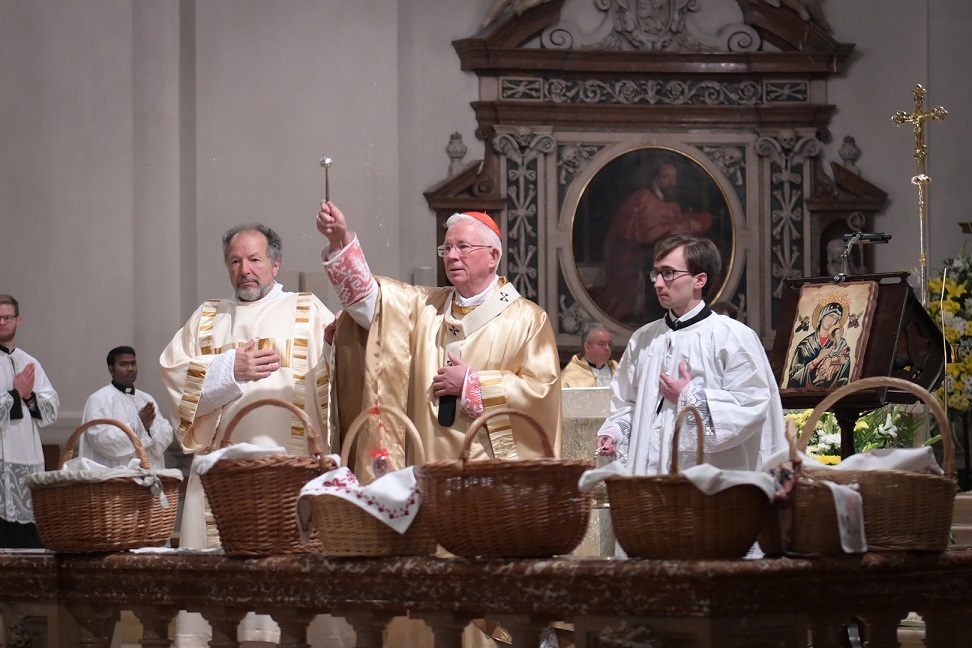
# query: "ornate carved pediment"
580 102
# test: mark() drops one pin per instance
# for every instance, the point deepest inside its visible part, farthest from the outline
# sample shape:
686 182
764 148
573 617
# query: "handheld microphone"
447 410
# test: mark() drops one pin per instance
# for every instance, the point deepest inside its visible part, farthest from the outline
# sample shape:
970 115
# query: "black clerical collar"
594 365
123 389
6 350
676 324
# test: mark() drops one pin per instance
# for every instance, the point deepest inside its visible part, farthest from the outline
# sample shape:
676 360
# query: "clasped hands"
23 382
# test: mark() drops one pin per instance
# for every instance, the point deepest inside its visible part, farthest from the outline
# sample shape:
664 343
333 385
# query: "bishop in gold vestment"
478 341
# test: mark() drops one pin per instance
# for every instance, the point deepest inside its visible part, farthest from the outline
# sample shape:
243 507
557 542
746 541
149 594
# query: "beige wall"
135 132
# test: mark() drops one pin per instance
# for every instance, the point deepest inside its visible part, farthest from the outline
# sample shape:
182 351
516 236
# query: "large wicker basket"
902 510
668 517
110 515
253 499
805 522
347 530
529 508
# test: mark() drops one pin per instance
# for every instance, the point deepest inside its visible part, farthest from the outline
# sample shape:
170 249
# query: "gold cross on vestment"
921 179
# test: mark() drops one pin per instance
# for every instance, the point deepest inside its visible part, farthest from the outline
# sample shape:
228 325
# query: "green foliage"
891 426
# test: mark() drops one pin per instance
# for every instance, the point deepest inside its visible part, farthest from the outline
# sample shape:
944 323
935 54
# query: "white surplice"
732 385
20 446
108 444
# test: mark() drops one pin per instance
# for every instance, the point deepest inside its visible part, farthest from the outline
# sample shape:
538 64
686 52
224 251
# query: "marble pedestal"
584 410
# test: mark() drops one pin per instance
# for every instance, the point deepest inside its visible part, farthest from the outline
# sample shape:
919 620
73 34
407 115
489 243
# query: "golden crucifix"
921 179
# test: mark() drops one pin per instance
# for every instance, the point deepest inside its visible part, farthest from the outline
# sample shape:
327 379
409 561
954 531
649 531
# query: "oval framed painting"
633 201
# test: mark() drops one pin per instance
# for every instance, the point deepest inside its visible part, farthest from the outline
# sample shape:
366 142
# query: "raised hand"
147 415
332 224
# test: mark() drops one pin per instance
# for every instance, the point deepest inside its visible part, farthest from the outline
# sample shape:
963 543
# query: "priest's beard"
251 294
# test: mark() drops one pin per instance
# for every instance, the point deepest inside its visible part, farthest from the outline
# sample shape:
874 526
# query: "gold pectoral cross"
918 117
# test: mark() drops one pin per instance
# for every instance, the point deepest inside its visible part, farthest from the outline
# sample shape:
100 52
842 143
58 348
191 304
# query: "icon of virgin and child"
822 359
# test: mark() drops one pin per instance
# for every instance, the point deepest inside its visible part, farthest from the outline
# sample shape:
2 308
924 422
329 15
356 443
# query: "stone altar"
765 603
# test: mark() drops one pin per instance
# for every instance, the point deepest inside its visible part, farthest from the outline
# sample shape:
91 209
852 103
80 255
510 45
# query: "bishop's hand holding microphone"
447 386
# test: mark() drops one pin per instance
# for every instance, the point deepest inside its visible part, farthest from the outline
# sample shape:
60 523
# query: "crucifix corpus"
918 117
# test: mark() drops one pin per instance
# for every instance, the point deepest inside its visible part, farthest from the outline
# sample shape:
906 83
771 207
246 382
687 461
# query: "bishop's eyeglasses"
668 275
463 249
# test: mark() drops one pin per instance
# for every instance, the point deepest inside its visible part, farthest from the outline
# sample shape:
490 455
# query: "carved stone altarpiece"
575 119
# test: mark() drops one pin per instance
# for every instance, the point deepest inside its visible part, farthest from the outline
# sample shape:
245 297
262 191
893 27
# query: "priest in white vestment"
28 402
107 444
693 357
477 343
263 342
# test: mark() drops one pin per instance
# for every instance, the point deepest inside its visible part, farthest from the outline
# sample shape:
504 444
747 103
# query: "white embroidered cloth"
81 470
706 477
203 463
850 517
393 498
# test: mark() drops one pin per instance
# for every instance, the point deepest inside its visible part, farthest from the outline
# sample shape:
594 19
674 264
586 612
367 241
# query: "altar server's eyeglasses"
463 249
7 318
668 275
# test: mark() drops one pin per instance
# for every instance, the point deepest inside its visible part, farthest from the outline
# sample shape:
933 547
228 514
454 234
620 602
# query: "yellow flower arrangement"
891 426
950 307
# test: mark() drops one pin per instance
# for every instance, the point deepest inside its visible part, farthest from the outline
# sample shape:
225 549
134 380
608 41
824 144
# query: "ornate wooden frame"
753 108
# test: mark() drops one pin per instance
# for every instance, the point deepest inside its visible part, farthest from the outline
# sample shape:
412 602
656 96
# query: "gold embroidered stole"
293 353
498 437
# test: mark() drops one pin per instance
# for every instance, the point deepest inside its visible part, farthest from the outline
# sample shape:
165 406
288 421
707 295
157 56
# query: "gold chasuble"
507 340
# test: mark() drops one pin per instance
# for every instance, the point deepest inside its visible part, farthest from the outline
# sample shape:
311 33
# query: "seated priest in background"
692 357
263 342
442 355
593 366
108 445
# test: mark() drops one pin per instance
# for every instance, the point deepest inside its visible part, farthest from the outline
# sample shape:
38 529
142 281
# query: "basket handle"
699 454
314 444
359 420
481 421
68 450
885 381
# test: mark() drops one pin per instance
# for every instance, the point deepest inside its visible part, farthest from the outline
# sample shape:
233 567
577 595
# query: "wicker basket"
253 499
668 517
902 510
496 508
347 530
805 523
110 515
